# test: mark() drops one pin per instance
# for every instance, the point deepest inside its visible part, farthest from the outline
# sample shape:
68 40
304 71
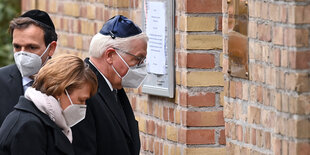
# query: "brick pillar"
269 112
199 76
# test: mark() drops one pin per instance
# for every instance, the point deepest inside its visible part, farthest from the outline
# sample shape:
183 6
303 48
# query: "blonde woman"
41 121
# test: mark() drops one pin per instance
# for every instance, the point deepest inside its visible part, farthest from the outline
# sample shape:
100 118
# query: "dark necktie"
29 84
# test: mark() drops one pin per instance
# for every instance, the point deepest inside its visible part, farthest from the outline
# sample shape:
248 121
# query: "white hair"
100 43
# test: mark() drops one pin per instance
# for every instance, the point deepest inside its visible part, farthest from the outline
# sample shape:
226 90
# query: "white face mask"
134 77
28 63
74 113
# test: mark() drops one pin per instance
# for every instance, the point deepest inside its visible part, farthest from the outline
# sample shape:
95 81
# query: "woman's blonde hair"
65 72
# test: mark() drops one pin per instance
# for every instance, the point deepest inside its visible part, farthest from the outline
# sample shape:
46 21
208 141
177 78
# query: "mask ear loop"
48 46
68 96
125 64
122 59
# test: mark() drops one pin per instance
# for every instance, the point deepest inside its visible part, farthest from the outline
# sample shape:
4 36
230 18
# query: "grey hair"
101 43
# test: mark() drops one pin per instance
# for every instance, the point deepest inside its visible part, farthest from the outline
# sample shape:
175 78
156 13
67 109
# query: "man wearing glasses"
117 55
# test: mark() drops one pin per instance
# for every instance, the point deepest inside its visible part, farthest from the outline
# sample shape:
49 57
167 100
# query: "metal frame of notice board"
162 83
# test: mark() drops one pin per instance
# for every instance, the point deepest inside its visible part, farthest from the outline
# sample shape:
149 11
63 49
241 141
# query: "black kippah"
40 17
120 26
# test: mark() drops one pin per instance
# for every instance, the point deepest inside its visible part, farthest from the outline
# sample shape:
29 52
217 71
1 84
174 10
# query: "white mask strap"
116 72
68 96
48 46
122 59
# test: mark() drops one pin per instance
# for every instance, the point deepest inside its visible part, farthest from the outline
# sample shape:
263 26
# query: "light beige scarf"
50 106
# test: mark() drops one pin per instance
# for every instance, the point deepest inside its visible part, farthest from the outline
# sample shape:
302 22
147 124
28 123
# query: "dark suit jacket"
107 130
11 88
27 130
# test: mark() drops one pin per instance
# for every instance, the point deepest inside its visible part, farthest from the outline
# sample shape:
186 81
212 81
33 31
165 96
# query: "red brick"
150 126
259 138
197 136
238 90
202 100
143 142
247 135
227 130
229 110
182 59
171 114
253 136
239 133
200 60
156 148
277 34
166 113
70 41
267 140
303 148
107 14
285 149
150 142
299 60
134 3
207 6
232 90
259 94
160 131
133 102
197 118
233 131
264 10
254 115
277 146
99 13
276 57
296 37
183 98
220 23
264 32
83 11
222 138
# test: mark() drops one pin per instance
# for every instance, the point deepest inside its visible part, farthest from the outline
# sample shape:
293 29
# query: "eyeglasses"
139 59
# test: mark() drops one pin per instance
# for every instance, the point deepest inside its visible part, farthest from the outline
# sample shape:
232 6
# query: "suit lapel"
15 83
109 99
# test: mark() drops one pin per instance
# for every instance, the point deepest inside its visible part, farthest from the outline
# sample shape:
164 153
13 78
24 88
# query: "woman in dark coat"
41 121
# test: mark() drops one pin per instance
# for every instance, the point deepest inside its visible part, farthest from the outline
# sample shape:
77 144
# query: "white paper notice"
155 30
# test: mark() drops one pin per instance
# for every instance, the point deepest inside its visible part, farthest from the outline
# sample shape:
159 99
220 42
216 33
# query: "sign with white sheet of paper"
155 30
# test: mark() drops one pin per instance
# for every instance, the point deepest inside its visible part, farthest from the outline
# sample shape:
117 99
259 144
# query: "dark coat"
11 88
27 130
107 128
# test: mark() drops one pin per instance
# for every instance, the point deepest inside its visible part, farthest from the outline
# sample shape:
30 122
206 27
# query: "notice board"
158 23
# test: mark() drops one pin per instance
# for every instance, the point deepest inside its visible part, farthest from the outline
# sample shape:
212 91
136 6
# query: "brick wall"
190 123
269 113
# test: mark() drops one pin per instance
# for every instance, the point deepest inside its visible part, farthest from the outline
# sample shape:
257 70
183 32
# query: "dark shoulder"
6 71
18 119
21 123
8 68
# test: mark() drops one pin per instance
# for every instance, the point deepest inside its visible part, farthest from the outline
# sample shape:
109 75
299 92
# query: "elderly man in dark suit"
117 56
34 42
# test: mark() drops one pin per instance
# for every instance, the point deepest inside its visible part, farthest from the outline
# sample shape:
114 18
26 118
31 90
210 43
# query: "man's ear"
52 48
109 54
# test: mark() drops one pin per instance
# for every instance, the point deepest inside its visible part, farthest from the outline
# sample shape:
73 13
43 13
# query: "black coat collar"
28 106
110 100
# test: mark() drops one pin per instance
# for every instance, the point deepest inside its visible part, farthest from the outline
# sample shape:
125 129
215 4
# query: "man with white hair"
117 55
